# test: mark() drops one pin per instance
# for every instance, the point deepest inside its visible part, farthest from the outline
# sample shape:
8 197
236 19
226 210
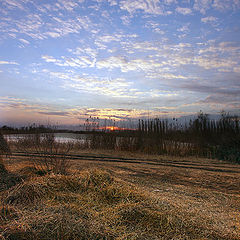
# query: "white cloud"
147 6
49 59
112 2
111 87
160 75
184 11
222 47
10 4
36 27
202 5
117 87
126 20
144 46
170 1
221 5
24 41
53 34
128 65
80 61
112 62
223 56
109 38
209 19
156 27
86 51
210 63
68 5
226 5
10 63
114 37
184 28
64 5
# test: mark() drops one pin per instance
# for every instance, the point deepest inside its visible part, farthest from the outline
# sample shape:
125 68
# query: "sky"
66 60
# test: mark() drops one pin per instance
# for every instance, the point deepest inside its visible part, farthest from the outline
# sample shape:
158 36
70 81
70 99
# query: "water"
59 137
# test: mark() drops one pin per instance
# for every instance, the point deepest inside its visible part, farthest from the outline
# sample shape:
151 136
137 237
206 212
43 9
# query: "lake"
59 137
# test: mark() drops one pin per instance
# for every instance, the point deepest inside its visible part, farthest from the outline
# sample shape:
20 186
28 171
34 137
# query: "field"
124 196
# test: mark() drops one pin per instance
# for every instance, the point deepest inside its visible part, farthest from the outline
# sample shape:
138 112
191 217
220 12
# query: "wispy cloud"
55 113
81 61
24 41
156 27
141 54
122 113
204 5
33 26
209 19
11 4
184 11
147 6
126 20
126 65
118 87
226 5
8 62
10 103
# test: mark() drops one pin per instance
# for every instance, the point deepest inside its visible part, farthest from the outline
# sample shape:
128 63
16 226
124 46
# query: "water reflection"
59 137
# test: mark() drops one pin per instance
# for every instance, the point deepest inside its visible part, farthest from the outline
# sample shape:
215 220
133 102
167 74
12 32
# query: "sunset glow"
62 61
114 128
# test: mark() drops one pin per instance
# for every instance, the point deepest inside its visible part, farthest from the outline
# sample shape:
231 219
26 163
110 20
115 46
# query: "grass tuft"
31 172
26 193
88 205
7 179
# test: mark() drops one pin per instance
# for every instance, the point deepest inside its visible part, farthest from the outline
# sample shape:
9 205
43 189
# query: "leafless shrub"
4 148
45 153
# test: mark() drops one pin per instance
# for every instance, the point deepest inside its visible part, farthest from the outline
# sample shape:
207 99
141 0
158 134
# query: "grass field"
122 195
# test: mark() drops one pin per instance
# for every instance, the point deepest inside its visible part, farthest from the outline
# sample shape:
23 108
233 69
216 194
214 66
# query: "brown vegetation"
124 200
89 205
62 195
49 154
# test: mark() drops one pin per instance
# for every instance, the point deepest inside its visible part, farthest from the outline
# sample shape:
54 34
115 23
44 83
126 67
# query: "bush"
49 155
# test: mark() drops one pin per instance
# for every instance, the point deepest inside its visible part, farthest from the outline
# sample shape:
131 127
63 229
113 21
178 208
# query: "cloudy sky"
64 60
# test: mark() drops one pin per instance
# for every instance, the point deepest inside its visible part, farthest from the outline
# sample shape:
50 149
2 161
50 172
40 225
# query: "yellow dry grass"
124 201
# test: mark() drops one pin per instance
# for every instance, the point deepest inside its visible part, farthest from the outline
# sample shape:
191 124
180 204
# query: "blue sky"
66 60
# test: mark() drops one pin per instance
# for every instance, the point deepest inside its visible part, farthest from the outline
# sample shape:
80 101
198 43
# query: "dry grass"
124 200
89 205
7 180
